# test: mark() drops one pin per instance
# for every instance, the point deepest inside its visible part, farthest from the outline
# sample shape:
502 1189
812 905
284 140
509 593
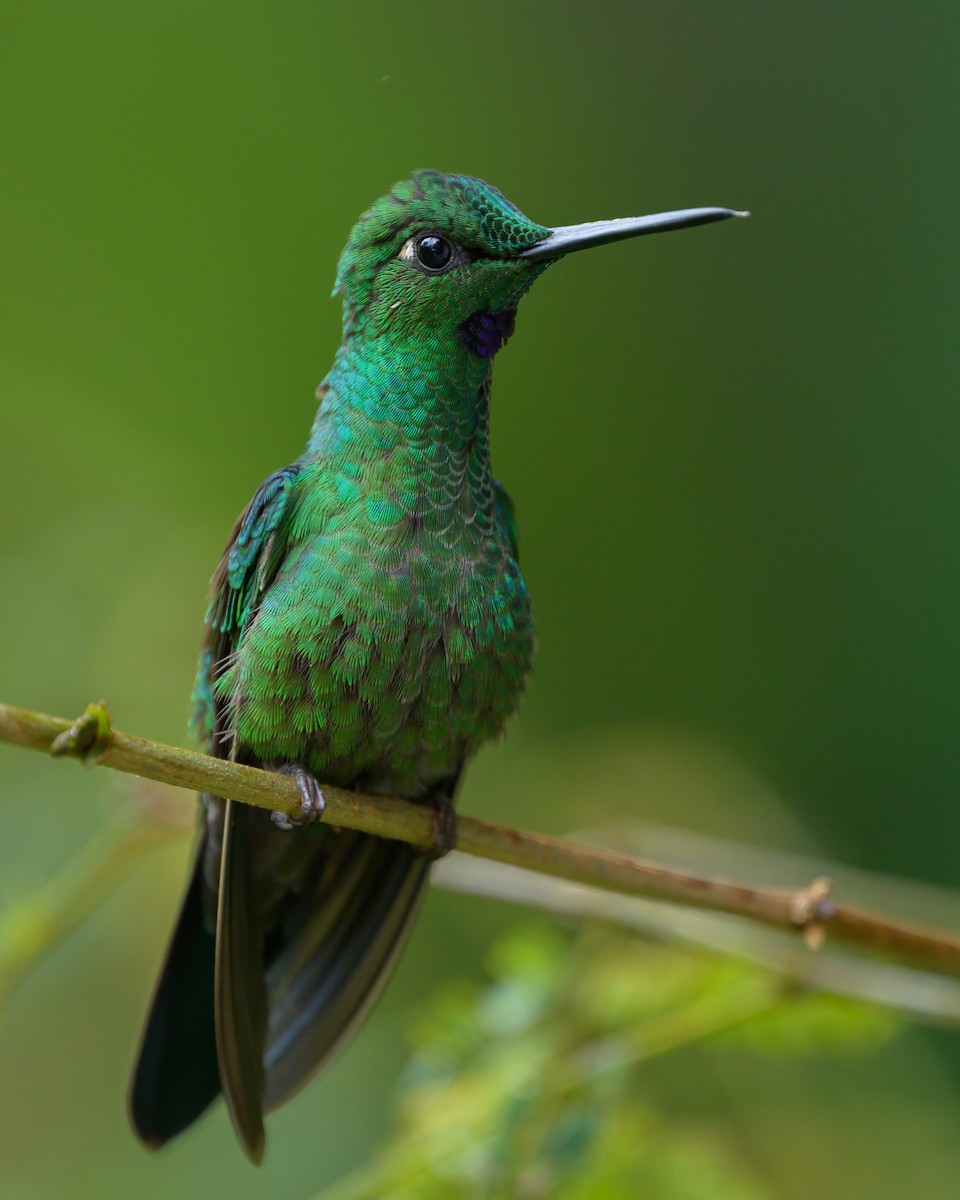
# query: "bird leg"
312 803
444 827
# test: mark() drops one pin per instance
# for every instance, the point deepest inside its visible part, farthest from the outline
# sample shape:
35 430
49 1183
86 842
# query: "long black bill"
566 238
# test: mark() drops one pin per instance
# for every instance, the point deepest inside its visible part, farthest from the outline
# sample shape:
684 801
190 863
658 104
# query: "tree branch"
907 990
811 911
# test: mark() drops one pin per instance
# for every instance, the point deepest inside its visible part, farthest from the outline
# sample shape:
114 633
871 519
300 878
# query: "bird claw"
444 827
312 803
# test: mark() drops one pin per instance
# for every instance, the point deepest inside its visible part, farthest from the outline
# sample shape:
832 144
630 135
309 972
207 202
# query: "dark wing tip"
254 1149
240 998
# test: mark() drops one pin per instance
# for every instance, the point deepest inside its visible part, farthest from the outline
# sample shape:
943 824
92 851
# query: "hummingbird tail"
259 1006
176 1076
340 940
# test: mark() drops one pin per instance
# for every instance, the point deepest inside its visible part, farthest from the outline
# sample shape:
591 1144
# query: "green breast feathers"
377 646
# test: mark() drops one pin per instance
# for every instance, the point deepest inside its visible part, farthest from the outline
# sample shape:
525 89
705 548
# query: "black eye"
434 252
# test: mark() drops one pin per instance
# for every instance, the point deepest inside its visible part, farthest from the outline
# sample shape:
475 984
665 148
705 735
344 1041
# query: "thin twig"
907 990
810 911
35 924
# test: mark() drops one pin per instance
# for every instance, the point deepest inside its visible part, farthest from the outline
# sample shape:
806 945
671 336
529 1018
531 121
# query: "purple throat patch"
484 332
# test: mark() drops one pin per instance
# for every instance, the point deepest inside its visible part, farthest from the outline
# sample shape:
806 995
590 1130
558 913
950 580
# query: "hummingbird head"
432 253
447 258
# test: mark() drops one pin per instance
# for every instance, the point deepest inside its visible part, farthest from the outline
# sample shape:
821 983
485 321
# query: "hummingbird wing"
253 554
239 993
248 565
206 1026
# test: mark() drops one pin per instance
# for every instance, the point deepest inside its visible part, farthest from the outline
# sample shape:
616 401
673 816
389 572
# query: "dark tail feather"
341 907
176 1076
240 994
337 947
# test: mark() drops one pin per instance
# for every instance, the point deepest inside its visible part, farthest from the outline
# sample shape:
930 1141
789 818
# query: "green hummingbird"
369 626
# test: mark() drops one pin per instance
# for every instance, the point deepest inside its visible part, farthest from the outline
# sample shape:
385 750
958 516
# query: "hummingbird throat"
484 332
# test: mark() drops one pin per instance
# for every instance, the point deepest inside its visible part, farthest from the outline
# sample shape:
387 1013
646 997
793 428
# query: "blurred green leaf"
533 1086
813 1023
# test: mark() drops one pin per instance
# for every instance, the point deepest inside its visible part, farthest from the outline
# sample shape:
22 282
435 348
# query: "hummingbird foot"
312 803
444 827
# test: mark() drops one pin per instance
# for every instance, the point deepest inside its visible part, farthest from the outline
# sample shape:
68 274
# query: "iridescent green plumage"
396 632
369 623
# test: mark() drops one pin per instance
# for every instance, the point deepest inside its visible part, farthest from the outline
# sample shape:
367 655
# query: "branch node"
88 738
810 910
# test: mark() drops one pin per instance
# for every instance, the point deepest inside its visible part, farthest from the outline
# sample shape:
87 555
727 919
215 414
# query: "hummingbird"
369 627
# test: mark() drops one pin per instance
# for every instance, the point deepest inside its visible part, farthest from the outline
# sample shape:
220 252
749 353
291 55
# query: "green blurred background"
733 453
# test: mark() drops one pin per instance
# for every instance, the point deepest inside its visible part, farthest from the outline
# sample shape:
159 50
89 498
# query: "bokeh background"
733 453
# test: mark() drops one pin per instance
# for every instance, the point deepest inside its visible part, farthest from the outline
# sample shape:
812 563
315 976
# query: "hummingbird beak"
566 238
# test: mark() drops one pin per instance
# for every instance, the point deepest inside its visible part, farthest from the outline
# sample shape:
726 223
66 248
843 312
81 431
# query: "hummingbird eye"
432 253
